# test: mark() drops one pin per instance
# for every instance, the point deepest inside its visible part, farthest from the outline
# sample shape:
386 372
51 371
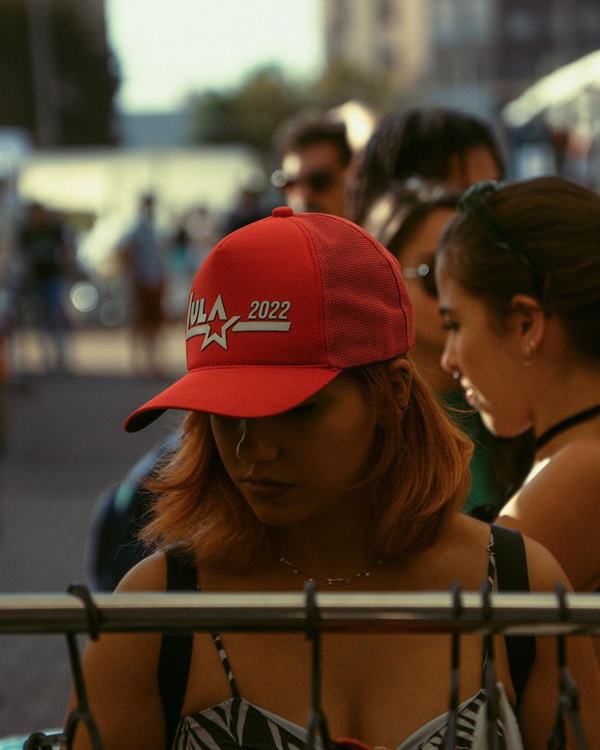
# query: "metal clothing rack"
453 612
423 612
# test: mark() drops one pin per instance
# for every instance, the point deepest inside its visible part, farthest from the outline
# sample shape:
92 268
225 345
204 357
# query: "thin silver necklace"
329 581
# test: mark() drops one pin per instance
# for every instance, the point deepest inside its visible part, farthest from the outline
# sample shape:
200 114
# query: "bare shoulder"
148 575
580 454
543 568
560 508
577 465
121 674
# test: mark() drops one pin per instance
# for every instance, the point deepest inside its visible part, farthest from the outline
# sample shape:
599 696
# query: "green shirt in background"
487 494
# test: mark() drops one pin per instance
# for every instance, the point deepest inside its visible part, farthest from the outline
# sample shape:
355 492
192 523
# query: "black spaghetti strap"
175 649
511 571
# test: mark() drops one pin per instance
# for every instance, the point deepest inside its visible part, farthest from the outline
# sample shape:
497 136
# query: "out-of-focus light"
360 122
112 313
557 89
84 296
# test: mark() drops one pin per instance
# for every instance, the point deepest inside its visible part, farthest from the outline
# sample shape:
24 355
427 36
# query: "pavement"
64 446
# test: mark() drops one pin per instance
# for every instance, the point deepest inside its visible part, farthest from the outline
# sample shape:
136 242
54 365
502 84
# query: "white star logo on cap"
218 338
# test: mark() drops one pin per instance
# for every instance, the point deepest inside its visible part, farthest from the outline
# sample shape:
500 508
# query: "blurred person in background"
444 145
410 221
180 267
140 257
316 158
248 207
518 275
201 225
46 260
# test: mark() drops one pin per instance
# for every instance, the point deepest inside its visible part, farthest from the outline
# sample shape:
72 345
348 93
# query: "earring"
455 375
530 348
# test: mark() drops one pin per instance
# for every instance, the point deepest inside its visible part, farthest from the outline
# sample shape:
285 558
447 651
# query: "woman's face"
478 163
491 373
420 250
301 465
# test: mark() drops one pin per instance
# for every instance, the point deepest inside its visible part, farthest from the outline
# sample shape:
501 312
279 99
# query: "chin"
503 428
277 516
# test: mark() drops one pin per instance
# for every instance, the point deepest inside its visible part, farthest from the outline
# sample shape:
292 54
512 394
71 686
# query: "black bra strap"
511 571
175 649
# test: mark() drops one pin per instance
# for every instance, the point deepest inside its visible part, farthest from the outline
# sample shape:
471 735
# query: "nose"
448 360
298 197
258 441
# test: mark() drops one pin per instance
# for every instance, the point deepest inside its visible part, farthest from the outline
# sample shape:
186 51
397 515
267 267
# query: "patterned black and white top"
237 724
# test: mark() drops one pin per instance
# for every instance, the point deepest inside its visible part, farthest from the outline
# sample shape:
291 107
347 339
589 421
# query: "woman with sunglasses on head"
518 274
409 221
312 449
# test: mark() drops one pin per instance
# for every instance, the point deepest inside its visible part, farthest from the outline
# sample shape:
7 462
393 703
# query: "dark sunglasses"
425 273
318 181
474 202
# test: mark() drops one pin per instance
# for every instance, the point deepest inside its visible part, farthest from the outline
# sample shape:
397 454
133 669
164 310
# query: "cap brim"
243 391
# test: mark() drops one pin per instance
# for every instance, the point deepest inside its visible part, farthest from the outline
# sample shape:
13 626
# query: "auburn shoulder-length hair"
418 477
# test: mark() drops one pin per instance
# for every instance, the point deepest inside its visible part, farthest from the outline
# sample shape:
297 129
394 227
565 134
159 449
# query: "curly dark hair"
419 142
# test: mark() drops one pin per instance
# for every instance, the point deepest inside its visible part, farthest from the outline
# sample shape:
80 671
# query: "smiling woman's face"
303 464
490 371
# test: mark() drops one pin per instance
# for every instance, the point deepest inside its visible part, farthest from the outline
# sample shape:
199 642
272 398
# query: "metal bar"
424 612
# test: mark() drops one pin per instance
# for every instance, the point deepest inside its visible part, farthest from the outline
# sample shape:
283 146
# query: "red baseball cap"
278 309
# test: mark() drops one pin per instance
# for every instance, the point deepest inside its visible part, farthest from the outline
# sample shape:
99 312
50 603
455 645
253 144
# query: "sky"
168 48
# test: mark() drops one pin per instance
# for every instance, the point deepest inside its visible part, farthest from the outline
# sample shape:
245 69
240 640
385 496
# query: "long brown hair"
419 474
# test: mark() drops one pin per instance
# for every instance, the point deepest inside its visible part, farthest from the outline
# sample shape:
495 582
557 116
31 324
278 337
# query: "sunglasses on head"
318 181
474 202
425 273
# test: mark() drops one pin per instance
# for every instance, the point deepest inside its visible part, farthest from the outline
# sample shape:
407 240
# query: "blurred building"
380 35
505 45
57 75
154 129
476 54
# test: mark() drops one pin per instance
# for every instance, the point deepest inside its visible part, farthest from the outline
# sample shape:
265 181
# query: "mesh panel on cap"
368 316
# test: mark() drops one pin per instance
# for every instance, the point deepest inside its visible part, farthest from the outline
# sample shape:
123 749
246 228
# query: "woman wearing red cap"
519 281
311 449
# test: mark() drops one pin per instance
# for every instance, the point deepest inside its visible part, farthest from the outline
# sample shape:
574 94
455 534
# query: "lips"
265 487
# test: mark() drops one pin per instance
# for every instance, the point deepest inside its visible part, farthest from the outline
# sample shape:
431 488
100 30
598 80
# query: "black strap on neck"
175 648
511 571
564 424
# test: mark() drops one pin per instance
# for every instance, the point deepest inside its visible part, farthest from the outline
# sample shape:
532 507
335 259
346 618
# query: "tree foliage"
84 76
249 113
253 111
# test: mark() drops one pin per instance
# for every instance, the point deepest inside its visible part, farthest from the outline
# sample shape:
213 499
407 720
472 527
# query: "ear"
528 325
400 372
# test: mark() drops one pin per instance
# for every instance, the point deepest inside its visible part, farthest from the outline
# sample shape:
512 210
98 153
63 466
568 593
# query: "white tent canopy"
556 90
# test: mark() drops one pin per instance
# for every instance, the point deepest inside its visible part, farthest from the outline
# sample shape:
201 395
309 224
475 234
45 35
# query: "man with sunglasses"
316 157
